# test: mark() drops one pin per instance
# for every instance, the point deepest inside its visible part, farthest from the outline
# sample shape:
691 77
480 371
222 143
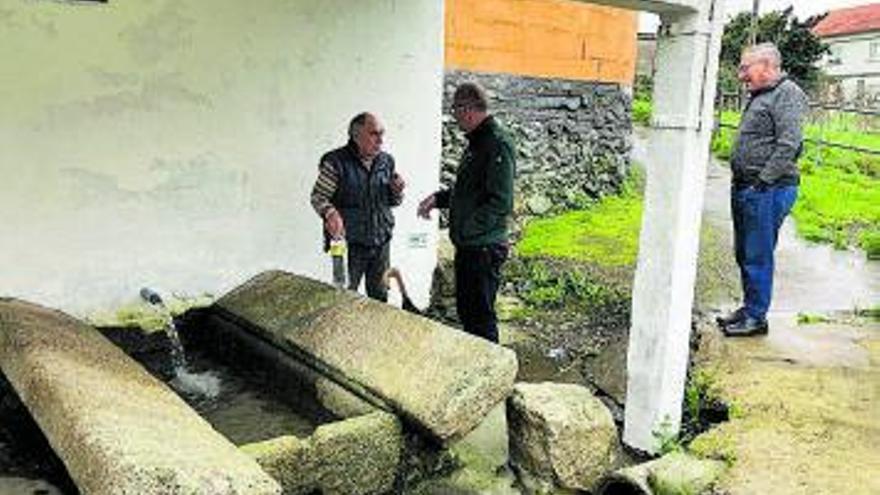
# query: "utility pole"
753 31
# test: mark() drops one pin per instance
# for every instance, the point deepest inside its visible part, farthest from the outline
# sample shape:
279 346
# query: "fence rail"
821 114
819 142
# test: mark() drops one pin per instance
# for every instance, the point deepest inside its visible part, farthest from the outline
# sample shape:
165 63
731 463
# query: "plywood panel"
545 38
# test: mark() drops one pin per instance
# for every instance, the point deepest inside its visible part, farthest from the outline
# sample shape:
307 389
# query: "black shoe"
730 319
746 327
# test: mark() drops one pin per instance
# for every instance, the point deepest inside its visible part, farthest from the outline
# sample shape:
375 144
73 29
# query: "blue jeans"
757 216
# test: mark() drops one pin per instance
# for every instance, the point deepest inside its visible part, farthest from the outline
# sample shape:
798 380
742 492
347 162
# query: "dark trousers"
370 263
477 276
757 216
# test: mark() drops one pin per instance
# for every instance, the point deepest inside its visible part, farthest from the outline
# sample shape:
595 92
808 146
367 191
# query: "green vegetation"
794 37
839 197
872 313
606 234
579 261
810 319
146 317
667 438
642 109
545 284
700 393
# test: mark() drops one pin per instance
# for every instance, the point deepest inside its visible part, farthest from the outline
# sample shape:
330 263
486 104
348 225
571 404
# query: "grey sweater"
770 137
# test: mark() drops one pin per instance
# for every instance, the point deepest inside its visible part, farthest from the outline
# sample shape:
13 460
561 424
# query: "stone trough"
379 371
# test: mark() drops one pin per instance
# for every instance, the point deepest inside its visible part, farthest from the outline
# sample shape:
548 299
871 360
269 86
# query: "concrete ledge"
357 456
117 429
439 378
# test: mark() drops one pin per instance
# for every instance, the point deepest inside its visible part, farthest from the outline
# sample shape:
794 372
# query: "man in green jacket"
479 206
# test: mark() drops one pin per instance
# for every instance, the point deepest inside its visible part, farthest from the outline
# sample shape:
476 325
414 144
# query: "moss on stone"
145 317
681 474
797 428
354 456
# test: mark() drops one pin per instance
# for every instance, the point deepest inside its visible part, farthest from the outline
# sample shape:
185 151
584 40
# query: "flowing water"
243 407
205 384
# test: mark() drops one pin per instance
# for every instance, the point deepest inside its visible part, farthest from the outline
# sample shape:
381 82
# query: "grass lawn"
839 197
606 234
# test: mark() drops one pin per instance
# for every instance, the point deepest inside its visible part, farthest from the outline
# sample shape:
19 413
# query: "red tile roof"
849 21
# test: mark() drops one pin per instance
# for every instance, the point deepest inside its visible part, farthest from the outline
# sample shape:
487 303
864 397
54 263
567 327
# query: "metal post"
753 30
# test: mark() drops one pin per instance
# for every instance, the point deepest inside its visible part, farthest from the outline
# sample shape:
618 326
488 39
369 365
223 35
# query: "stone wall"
573 137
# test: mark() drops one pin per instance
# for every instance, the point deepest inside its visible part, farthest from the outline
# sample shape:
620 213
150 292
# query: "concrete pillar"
684 91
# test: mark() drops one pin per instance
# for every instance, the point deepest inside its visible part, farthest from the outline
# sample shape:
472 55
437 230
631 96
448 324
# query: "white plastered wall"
174 144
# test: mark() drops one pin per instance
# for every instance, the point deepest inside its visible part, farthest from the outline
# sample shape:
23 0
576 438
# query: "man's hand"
333 224
426 206
397 184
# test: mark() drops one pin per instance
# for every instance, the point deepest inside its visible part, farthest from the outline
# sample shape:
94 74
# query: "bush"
548 284
642 110
870 242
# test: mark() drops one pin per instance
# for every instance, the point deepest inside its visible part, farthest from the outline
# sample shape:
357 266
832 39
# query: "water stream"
205 383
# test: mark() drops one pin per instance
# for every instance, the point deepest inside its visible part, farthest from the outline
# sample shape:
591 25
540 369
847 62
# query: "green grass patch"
839 207
839 197
547 284
811 319
641 111
605 234
872 313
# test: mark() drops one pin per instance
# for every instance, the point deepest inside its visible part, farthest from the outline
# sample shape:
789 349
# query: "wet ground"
810 277
807 395
805 399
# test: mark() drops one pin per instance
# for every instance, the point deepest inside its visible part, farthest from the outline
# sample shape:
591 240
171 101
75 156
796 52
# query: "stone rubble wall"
573 138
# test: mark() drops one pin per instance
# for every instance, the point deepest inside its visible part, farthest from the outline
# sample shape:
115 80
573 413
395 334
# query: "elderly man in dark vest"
356 188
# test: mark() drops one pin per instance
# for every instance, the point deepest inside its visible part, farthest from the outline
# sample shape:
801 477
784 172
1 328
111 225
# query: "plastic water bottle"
337 254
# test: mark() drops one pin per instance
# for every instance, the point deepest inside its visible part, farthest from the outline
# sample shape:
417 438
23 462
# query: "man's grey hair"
766 51
357 123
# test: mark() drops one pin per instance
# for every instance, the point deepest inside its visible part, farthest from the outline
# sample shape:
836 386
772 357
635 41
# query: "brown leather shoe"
747 327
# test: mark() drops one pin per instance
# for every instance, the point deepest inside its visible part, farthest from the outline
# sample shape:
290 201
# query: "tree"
800 48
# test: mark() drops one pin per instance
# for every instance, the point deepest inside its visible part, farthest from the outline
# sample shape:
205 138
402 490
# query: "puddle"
536 365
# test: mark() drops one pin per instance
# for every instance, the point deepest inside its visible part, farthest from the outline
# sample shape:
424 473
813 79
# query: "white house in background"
853 36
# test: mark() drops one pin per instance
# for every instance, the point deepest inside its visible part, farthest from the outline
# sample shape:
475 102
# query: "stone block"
560 435
440 379
356 456
673 474
116 427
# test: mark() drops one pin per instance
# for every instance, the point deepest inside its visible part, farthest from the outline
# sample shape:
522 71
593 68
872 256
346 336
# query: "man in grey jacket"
765 180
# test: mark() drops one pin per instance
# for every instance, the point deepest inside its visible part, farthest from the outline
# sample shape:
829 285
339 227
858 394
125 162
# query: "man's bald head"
366 132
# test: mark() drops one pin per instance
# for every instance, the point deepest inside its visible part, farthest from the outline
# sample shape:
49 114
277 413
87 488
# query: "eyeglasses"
745 66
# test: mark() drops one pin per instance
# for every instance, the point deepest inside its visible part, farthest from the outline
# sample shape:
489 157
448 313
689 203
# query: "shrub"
642 111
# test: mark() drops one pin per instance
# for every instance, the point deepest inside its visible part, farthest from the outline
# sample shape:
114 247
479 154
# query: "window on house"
874 51
834 55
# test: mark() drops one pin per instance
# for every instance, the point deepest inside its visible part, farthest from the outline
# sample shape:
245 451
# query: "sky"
802 8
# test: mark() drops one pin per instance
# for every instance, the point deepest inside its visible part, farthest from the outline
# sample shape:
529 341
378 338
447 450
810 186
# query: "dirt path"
806 398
